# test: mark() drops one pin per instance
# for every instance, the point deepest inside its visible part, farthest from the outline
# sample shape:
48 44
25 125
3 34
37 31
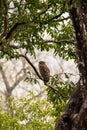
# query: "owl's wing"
45 70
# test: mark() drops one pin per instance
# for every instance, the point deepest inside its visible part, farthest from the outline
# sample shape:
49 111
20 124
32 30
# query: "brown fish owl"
44 71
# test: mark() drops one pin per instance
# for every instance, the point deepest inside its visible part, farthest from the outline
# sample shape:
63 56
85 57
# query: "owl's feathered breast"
44 71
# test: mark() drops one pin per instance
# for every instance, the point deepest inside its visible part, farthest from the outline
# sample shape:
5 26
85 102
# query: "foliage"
28 21
64 89
27 114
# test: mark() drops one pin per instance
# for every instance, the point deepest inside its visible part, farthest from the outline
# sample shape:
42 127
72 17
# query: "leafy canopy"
26 22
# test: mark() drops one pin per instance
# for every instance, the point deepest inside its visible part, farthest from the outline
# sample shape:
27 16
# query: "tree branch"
2 92
56 16
5 19
17 82
13 28
60 41
62 19
10 33
5 79
48 41
51 19
27 59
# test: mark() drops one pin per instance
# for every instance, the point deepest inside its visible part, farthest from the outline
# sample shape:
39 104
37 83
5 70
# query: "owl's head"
41 62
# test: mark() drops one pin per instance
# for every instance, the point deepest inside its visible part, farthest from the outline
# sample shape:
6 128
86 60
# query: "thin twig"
62 19
60 41
53 18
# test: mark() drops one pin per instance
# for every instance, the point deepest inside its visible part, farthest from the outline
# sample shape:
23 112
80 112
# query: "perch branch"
27 59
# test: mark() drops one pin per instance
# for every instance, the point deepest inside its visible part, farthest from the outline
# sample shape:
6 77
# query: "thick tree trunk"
75 113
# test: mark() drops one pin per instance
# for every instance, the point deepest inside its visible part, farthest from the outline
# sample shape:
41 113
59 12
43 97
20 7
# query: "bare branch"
62 19
17 81
20 78
5 79
22 70
2 92
60 41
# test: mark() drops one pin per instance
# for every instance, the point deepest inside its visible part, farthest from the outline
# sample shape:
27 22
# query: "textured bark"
75 113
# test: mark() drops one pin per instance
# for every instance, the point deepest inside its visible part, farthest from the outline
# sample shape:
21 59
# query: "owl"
44 71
